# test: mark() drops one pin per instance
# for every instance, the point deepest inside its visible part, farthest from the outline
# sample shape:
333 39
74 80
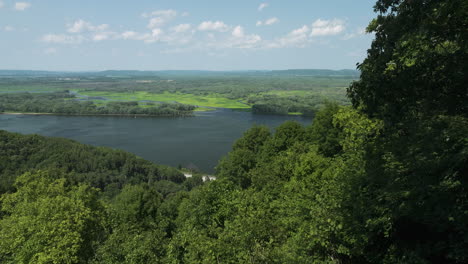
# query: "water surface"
201 140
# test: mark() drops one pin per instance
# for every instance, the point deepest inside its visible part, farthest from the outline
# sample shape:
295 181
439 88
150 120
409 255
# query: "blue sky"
95 35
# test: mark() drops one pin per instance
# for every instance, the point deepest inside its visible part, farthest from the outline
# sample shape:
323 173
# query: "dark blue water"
201 140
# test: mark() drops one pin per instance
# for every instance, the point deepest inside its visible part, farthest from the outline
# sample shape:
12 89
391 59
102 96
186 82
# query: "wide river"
201 140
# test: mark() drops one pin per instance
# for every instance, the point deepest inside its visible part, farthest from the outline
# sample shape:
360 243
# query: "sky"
93 35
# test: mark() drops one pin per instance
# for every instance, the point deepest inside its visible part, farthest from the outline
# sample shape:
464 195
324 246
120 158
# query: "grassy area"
333 92
210 100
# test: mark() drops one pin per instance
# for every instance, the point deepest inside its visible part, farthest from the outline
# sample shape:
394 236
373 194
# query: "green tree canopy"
48 221
417 63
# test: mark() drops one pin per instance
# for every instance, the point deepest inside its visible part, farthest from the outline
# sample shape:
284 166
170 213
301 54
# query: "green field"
210 100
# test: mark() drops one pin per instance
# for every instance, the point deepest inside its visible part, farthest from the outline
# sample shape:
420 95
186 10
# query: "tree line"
68 104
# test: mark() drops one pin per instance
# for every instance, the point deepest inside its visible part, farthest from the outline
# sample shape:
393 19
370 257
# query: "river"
201 140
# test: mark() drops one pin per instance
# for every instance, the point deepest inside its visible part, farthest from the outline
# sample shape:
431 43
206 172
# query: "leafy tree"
237 165
324 133
414 192
48 221
134 236
253 139
417 62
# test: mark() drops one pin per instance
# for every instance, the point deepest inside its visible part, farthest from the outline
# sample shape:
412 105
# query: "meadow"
202 101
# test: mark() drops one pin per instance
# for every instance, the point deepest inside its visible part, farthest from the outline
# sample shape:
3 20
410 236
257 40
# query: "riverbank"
104 115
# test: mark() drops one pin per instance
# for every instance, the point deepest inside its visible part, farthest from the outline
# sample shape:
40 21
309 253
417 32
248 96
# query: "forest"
275 92
65 103
383 180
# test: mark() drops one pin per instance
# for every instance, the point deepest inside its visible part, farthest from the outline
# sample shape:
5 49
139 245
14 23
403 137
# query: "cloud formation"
213 26
212 36
296 38
242 41
159 18
358 32
21 6
327 27
263 6
2 4
80 26
181 28
267 22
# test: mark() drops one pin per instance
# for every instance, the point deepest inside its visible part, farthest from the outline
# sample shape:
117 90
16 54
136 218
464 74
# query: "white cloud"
263 6
156 32
129 35
101 36
181 28
156 22
80 26
267 22
185 14
296 38
50 51
327 27
132 35
8 28
21 6
300 31
241 40
271 21
238 32
2 4
177 35
246 42
155 35
63 39
358 32
213 26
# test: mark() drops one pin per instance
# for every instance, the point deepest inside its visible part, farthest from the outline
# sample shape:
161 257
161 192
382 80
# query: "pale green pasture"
211 100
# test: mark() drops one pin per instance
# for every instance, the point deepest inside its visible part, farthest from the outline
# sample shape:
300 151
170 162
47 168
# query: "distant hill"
317 72
134 73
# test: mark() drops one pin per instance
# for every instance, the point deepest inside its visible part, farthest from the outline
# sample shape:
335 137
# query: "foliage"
100 167
417 62
68 104
48 221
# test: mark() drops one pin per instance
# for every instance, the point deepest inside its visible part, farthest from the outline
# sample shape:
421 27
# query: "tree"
413 195
134 236
48 221
324 133
417 62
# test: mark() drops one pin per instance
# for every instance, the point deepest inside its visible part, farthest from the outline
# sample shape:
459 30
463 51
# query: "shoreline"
109 115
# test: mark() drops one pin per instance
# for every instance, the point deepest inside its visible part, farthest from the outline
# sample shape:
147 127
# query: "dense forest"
381 181
68 104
